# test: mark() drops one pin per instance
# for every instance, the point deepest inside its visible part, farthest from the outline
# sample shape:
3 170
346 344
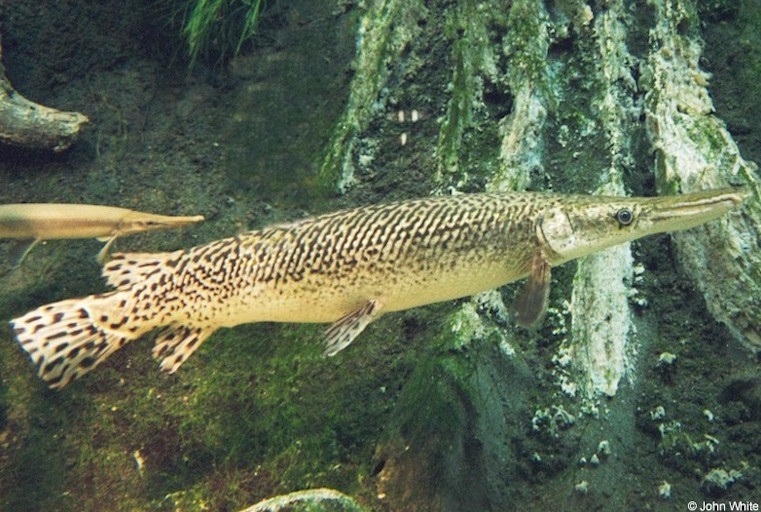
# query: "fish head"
580 225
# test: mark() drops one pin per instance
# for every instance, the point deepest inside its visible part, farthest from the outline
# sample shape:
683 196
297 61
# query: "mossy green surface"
471 29
384 31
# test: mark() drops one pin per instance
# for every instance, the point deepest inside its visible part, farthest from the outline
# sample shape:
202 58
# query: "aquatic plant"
225 24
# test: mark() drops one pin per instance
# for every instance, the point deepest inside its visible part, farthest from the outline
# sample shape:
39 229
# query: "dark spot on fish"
57 335
74 352
118 324
87 362
62 346
57 317
51 365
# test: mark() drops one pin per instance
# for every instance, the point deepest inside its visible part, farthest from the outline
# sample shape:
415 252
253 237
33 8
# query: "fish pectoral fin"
531 304
103 253
22 248
345 329
175 344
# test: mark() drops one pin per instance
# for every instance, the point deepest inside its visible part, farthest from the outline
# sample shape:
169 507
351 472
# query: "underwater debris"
582 487
27 124
666 359
664 490
718 480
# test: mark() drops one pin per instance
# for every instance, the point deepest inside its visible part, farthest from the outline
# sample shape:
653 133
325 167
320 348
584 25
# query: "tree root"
31 125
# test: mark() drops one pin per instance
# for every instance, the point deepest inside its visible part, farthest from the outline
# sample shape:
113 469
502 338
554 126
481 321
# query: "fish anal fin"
175 344
345 329
531 304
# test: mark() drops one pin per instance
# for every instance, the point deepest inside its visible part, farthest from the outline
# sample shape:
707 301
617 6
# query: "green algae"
470 28
384 32
225 23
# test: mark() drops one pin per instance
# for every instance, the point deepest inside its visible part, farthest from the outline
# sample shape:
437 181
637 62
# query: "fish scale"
347 268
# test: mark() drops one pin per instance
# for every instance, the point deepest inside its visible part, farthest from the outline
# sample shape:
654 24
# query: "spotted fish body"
347 268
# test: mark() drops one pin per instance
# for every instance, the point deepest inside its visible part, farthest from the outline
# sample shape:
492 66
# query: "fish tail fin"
69 338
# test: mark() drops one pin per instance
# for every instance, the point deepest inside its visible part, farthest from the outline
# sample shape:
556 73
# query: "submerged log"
30 125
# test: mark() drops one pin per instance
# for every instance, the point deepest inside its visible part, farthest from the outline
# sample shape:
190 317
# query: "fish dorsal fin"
531 304
345 329
125 269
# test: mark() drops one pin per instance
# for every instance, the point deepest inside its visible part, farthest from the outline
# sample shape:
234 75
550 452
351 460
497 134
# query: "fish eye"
624 216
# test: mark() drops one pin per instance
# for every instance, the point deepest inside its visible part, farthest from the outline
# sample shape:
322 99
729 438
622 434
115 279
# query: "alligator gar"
346 268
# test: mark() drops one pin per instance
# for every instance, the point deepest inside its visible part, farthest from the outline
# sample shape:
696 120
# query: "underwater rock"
312 500
452 440
745 392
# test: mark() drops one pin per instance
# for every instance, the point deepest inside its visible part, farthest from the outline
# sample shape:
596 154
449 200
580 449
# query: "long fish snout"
154 222
675 213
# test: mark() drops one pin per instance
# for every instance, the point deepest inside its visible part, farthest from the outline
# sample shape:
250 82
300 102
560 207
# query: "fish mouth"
692 209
